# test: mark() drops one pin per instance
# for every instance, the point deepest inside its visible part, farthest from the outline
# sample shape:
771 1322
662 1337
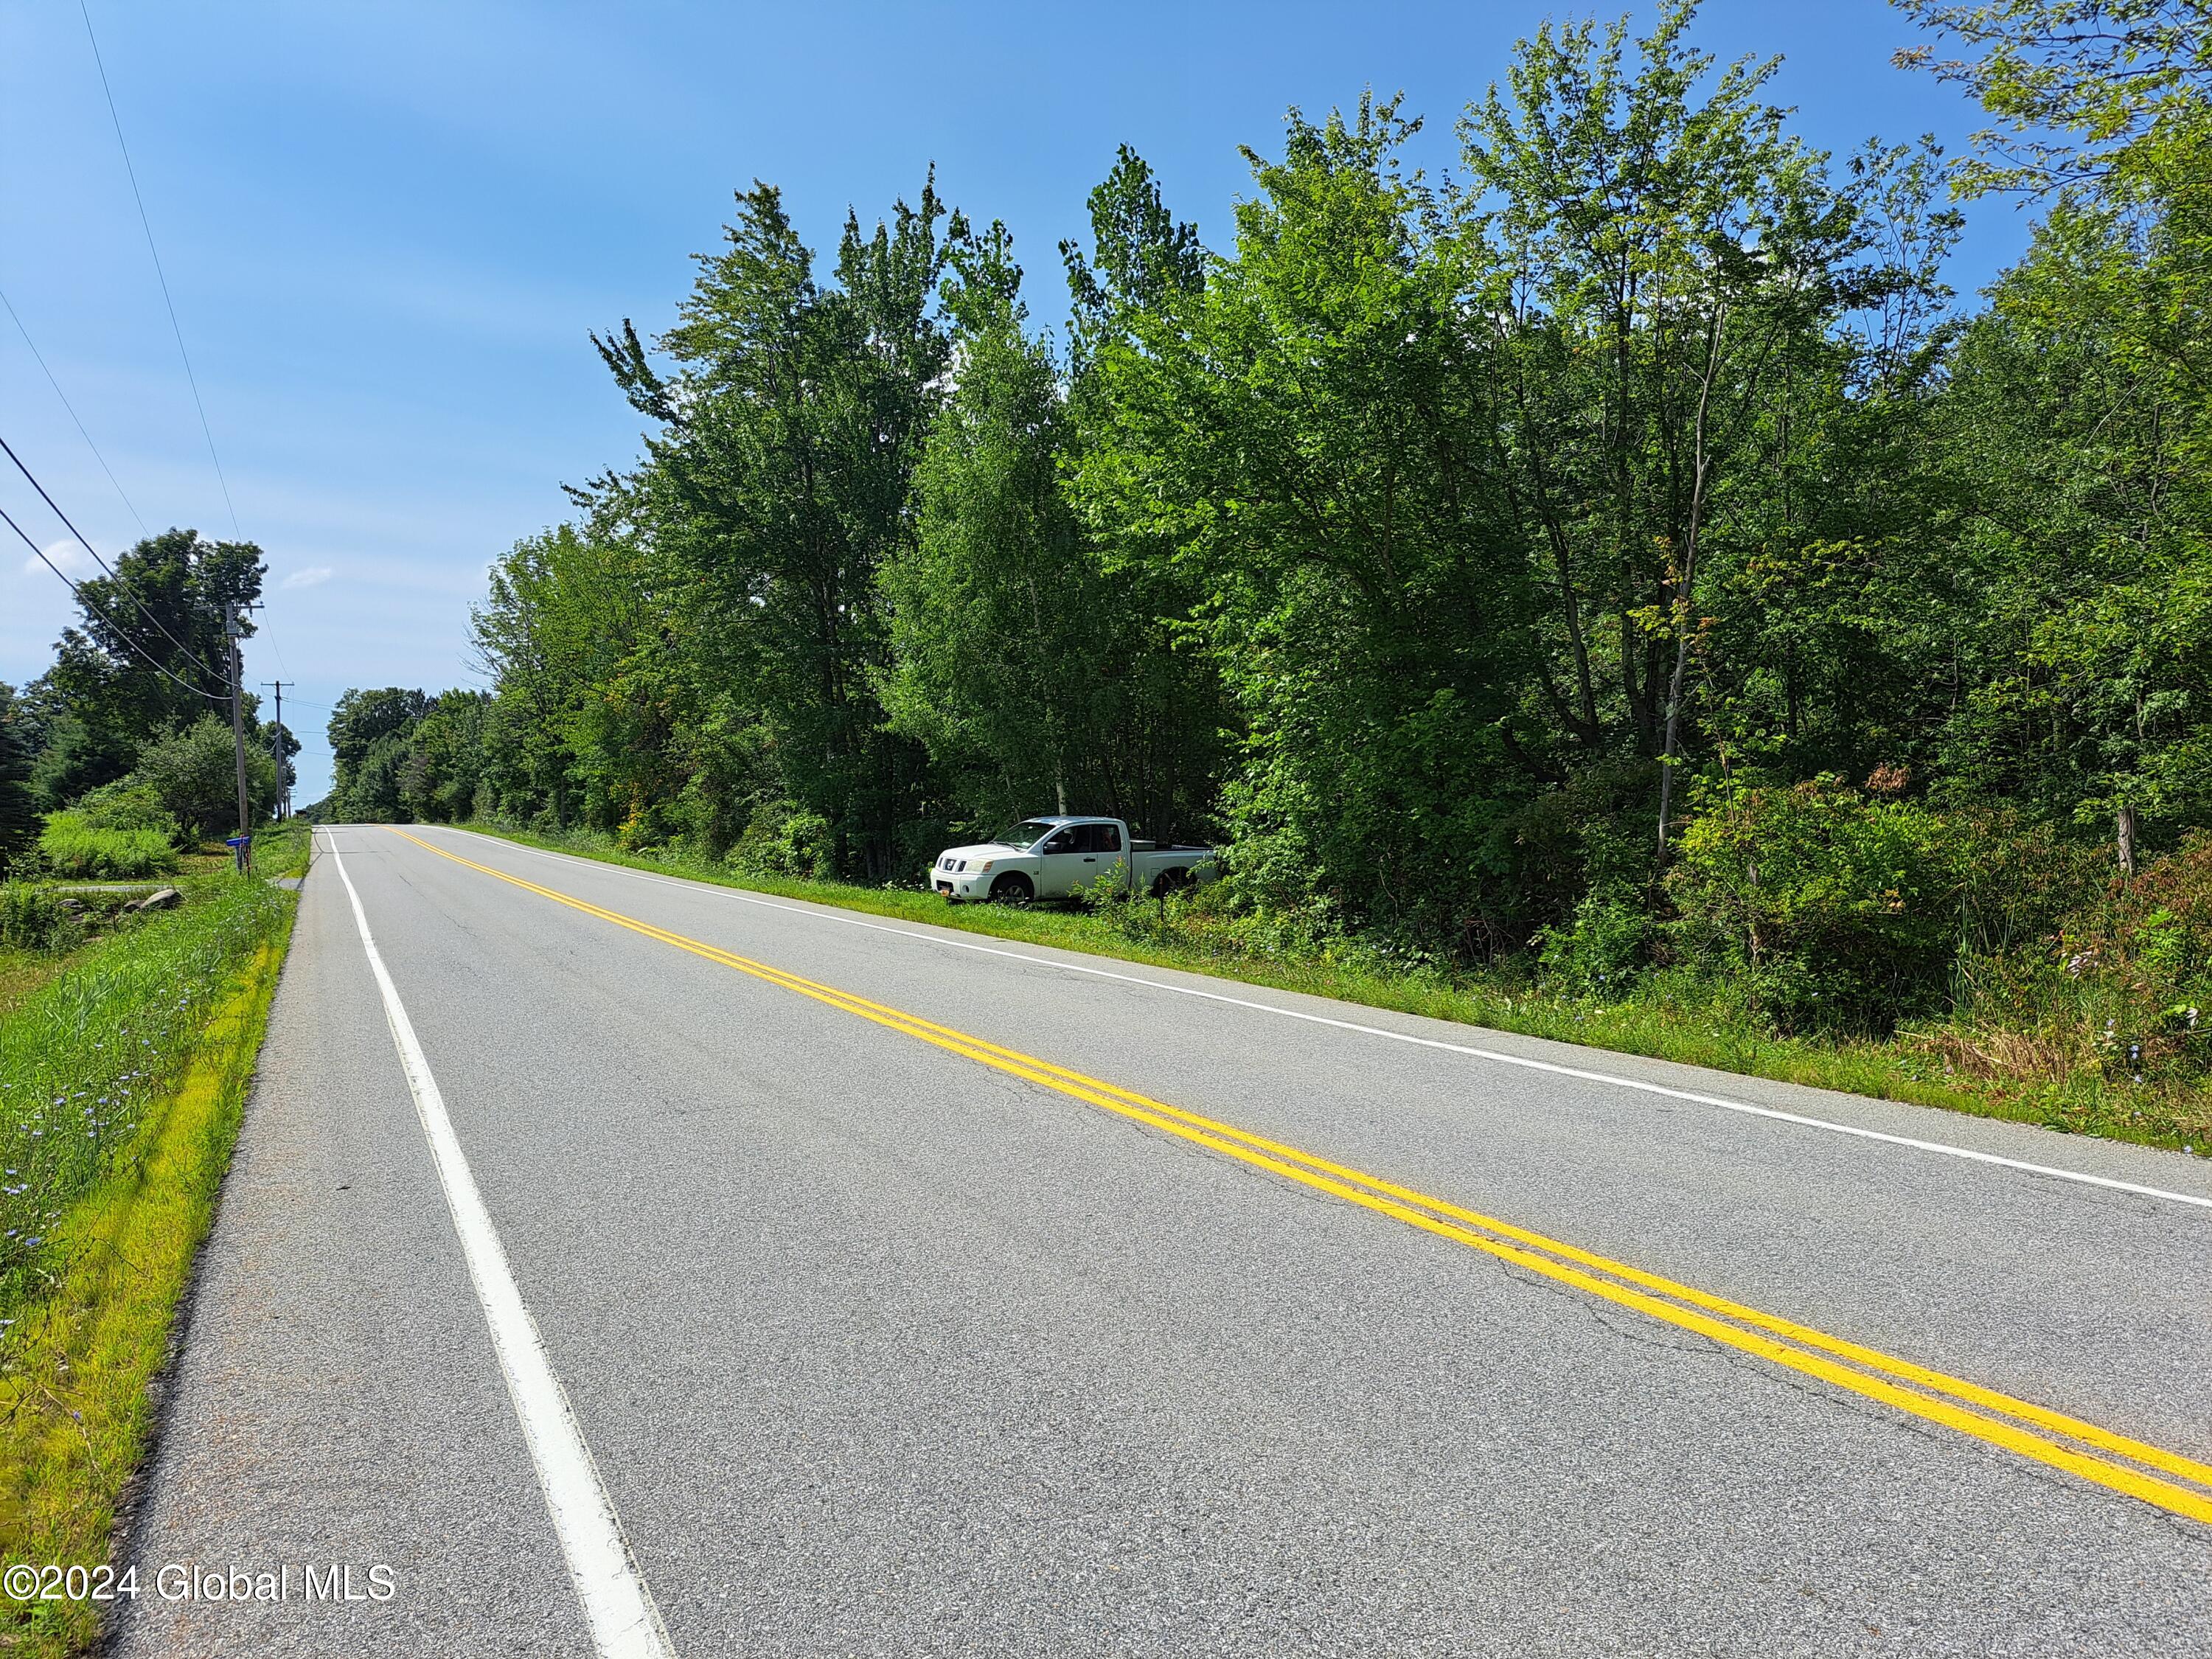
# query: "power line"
121 633
146 225
39 357
268 637
101 563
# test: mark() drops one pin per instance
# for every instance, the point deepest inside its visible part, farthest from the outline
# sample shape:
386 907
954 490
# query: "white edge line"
625 1625
1800 1119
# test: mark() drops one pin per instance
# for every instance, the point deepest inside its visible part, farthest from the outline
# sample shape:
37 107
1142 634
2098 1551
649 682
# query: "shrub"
130 804
193 774
1223 920
2142 960
1833 911
70 847
1603 953
782 840
34 919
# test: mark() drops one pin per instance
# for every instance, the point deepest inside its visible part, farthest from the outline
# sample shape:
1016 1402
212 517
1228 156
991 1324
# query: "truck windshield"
1025 834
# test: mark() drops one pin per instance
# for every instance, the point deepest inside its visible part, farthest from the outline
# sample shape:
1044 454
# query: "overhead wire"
39 357
128 590
146 225
121 632
199 405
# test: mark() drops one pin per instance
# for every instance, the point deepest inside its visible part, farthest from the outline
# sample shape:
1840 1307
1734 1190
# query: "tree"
148 654
2080 430
1667 272
19 819
369 733
1302 440
361 718
776 488
440 776
192 773
2095 96
1031 672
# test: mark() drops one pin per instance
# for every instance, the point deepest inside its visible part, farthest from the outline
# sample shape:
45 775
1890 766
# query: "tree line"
128 732
1625 550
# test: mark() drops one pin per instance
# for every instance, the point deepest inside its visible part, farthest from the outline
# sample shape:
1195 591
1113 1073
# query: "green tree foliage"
562 614
2094 96
19 821
132 803
369 734
1028 669
1834 910
402 758
1301 438
442 771
2080 430
192 773
148 655
791 422
1694 317
1464 555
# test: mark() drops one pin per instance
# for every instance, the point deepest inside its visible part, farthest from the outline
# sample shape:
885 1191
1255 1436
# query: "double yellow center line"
2168 1479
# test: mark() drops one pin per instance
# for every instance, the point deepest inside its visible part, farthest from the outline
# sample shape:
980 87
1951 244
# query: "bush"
782 840
1833 911
1603 953
70 847
130 804
34 919
2142 961
193 774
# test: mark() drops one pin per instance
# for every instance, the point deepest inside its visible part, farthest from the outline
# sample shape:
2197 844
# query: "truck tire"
1170 881
1013 888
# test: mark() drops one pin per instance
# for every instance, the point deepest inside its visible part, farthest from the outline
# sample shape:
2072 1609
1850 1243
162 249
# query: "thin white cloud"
71 560
313 576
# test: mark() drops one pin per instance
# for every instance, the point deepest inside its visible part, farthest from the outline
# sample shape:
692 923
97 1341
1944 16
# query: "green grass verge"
121 1084
284 849
1693 1024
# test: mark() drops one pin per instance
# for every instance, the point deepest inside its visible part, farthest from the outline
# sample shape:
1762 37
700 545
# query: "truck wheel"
1170 881
1014 889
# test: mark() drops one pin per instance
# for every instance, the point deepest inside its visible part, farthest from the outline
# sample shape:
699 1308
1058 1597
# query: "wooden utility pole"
244 844
277 747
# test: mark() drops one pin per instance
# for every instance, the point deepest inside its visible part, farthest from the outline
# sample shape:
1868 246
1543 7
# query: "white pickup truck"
1051 857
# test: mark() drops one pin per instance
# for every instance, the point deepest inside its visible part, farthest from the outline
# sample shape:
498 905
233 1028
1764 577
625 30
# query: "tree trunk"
1683 597
2125 833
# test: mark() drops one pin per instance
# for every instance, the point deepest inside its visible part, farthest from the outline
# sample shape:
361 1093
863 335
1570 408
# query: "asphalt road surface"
682 1272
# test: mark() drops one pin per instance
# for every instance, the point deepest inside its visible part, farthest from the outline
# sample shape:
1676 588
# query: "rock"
167 898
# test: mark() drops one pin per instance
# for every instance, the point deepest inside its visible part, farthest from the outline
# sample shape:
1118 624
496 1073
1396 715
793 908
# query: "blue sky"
388 228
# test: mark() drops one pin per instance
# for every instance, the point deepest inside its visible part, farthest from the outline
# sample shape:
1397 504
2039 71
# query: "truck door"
1060 863
1111 858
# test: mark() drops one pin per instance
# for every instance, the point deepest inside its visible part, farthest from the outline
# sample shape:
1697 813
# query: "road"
686 1271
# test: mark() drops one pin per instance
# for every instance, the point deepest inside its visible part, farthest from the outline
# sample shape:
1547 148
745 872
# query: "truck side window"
1108 837
1062 842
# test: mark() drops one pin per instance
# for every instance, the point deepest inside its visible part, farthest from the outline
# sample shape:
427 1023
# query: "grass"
71 847
1671 1018
122 1078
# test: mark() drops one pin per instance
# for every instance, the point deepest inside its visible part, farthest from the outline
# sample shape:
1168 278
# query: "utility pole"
244 844
277 744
